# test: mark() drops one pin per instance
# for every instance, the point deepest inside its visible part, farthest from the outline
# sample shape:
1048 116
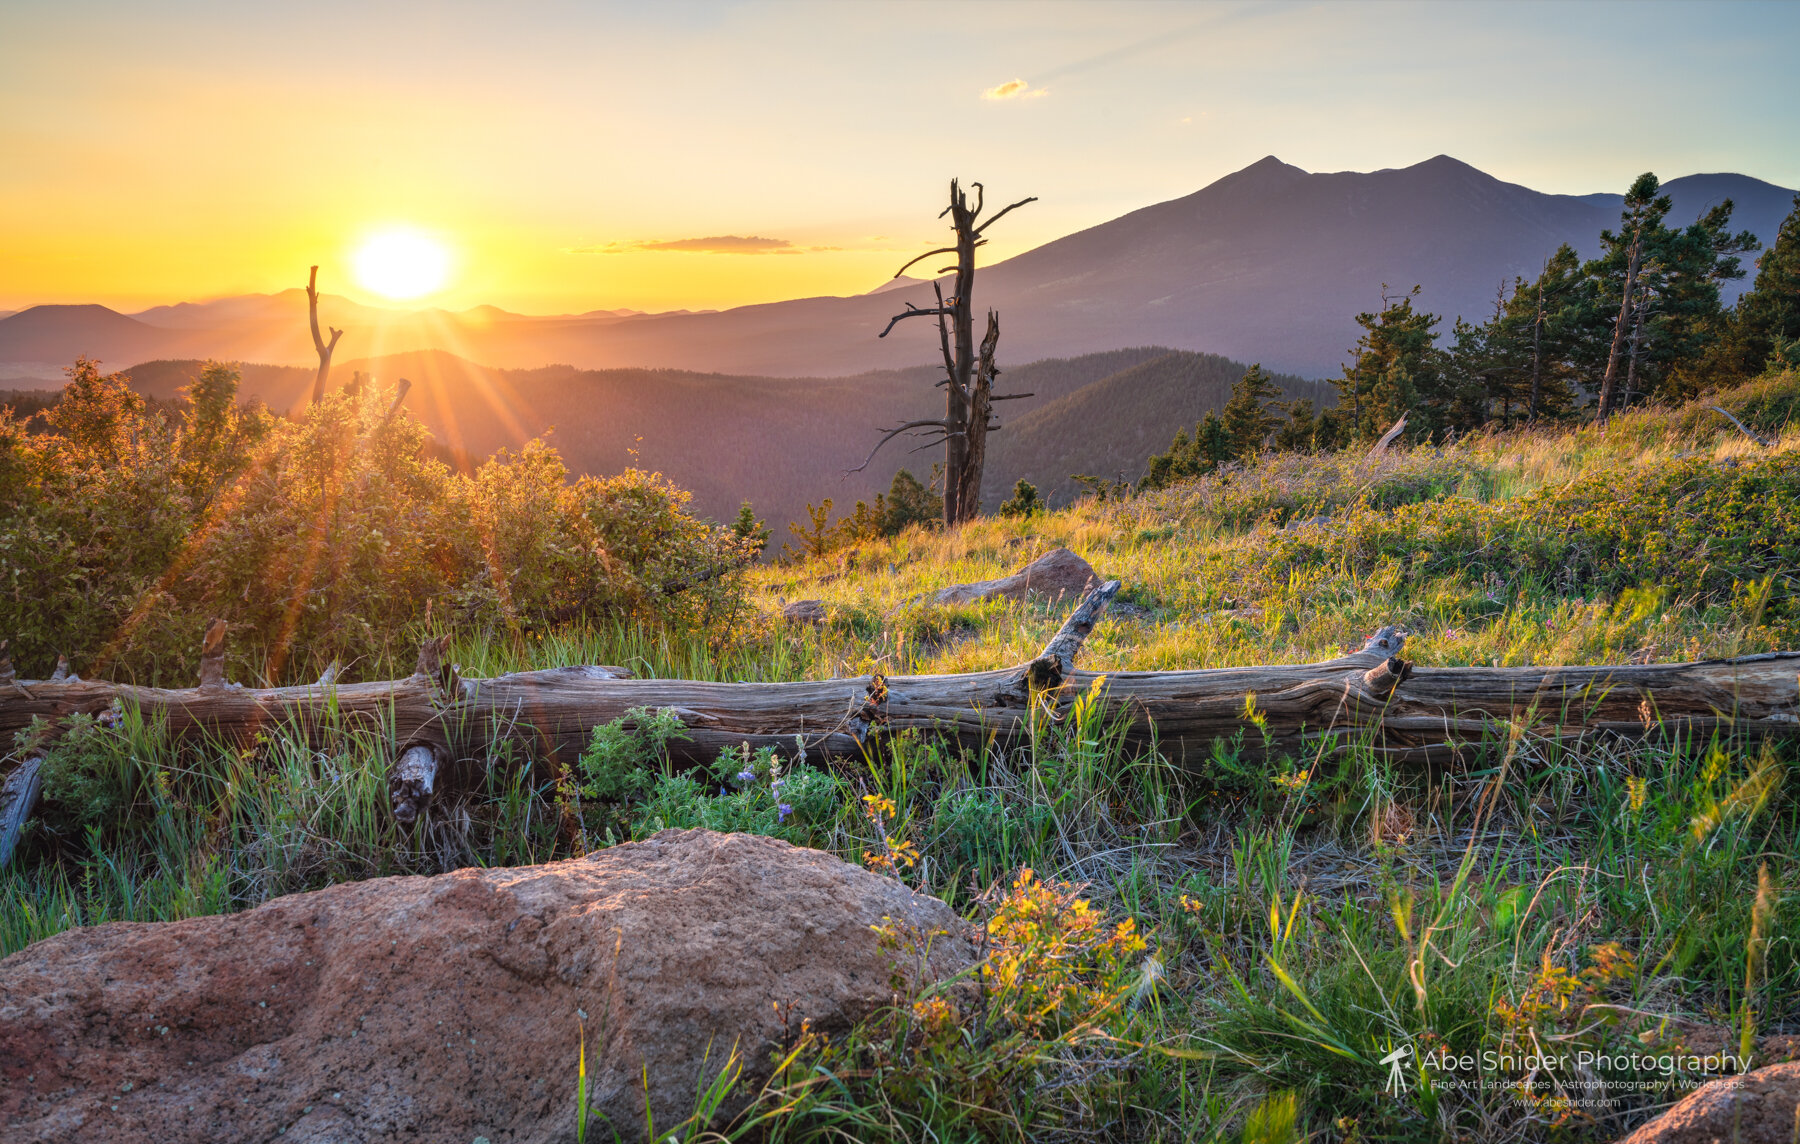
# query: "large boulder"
446 1008
1056 573
1760 1107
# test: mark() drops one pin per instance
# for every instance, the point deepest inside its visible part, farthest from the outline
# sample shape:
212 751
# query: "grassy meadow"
1257 940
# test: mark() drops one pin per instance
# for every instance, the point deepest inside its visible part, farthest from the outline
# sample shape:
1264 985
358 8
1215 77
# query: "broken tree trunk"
1371 696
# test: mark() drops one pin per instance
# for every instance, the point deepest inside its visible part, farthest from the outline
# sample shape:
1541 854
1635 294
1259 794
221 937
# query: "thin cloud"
1014 89
717 244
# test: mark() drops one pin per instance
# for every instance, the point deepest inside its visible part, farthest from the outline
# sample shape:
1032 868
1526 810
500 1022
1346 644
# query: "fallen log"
1371 696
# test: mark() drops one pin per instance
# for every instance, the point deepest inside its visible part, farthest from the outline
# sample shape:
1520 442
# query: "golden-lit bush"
332 535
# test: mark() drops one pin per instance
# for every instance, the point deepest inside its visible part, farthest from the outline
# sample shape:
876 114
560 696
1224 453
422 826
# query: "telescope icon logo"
1396 1082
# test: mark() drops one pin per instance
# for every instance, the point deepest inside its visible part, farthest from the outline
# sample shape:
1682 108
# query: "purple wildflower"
782 812
746 776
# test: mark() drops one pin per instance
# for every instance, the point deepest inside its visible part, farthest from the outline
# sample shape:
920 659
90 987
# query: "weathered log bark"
18 797
1434 712
1373 696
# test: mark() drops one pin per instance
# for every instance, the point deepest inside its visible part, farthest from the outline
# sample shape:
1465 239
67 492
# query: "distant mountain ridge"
1270 264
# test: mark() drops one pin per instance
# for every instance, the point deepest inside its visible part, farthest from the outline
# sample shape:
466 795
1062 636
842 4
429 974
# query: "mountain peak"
1267 167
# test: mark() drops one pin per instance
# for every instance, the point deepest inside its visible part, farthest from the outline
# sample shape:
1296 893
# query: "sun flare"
402 264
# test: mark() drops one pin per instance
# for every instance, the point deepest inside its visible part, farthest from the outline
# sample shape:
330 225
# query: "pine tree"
1024 500
1768 315
750 530
1396 369
1300 432
909 502
1659 290
817 539
1212 443
1253 412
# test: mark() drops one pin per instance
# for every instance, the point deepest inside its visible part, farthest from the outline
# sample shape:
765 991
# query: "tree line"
1642 321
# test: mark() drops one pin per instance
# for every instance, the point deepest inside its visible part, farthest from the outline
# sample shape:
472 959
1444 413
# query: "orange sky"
177 152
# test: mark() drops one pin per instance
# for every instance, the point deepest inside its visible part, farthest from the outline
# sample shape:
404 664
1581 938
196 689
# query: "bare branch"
1002 214
1747 431
980 200
912 311
923 257
1388 438
893 433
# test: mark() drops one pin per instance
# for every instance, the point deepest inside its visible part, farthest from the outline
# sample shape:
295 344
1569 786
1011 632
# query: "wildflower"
782 811
1293 782
746 776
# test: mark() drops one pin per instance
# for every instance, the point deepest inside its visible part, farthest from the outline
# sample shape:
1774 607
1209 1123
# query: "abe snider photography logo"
1396 1082
1613 1073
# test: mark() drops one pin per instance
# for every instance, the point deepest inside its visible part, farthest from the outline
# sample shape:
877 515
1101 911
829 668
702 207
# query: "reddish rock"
445 1008
1760 1107
1057 572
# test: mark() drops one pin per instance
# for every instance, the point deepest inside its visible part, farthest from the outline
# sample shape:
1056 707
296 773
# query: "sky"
564 158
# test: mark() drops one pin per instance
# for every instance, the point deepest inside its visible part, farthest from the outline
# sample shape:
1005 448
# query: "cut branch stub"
413 786
62 674
212 656
1387 675
1057 661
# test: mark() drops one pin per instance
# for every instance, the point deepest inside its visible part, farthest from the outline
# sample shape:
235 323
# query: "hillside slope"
779 442
1111 427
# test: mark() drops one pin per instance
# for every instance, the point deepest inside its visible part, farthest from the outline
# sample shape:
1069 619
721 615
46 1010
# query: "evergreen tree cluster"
1642 321
908 501
1646 313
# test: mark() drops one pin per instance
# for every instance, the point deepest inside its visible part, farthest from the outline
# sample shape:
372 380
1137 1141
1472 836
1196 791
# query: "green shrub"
624 759
332 535
1691 523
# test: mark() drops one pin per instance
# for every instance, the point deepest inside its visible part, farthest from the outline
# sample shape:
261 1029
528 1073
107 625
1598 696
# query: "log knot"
1387 675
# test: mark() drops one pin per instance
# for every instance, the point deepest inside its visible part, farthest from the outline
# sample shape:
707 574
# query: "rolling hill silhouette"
1268 264
781 443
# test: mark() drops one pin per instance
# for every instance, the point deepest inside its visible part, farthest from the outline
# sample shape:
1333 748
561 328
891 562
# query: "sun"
402 263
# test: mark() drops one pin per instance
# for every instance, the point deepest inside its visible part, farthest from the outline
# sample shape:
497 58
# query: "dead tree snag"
969 377
325 349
